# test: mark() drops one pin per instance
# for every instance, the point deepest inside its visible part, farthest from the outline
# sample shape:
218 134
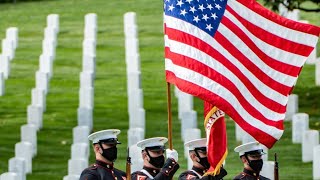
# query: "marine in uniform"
105 149
250 155
198 155
154 164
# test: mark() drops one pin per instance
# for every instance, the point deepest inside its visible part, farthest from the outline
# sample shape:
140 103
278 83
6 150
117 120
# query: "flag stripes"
247 69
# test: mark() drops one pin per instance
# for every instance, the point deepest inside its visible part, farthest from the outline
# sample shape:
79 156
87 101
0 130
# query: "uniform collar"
251 173
199 170
105 165
152 171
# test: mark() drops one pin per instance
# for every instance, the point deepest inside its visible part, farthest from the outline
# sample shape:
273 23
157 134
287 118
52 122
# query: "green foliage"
110 103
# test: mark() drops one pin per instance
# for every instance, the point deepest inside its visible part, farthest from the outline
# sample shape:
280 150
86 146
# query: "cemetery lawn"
110 103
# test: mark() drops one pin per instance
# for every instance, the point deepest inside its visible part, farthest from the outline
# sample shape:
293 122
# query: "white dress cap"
103 135
251 146
152 142
196 143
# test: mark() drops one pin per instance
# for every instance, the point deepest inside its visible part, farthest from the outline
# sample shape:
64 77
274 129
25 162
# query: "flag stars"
171 7
201 7
189 1
217 6
209 27
183 12
180 3
193 9
196 19
167 0
214 16
209 6
205 17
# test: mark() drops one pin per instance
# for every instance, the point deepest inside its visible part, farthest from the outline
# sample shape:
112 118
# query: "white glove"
173 154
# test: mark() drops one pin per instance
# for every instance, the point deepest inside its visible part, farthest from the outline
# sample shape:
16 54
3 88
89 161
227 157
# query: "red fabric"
216 137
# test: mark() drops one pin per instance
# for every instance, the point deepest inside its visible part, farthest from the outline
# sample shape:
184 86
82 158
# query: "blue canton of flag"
205 14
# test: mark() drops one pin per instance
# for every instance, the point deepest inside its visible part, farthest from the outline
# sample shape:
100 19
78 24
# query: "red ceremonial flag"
238 56
216 137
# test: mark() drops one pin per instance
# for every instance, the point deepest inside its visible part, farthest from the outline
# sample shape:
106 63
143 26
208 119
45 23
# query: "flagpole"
169 116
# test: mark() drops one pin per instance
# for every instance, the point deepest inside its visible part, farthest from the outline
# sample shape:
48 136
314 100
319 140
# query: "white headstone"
46 61
53 21
38 98
17 165
239 132
136 158
190 163
50 34
90 20
89 64
71 177
188 121
86 79
135 135
310 139
80 151
76 166
12 34
5 65
80 134
2 84
7 48
24 150
293 15
133 63
35 115
317 72
135 100
137 119
89 47
86 96
133 81
85 117
29 134
268 169
300 123
130 27
191 134
90 33
316 163
292 106
49 47
132 46
9 176
185 103
42 81
246 138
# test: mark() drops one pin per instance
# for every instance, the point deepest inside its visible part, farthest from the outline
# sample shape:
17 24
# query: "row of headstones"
9 45
21 164
136 111
312 59
80 148
309 140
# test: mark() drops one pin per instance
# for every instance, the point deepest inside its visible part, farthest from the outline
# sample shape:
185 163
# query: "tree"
293 4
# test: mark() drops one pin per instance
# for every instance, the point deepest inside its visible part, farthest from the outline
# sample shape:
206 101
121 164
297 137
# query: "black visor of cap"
110 141
255 152
155 148
203 149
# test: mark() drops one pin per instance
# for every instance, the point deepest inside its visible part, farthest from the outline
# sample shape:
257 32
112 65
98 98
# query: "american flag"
238 56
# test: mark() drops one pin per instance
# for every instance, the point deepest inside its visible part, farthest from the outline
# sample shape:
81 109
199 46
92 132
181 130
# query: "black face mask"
204 162
157 162
256 165
110 153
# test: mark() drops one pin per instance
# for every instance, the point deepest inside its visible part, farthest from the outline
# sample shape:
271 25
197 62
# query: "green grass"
110 108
